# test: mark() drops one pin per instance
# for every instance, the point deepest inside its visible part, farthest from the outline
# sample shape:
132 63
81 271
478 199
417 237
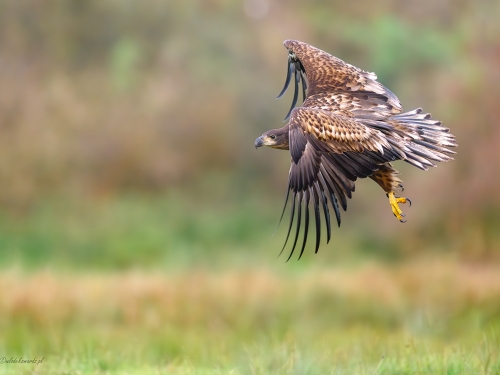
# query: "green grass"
133 230
435 318
174 231
163 285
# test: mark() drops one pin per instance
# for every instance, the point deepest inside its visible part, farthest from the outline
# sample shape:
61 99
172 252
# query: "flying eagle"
348 126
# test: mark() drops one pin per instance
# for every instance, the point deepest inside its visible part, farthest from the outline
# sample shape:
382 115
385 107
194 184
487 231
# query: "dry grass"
152 298
426 317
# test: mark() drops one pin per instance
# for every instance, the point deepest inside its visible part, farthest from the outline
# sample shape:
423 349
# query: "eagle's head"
275 138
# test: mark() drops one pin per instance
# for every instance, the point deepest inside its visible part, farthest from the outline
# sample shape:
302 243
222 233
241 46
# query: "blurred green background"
127 145
127 128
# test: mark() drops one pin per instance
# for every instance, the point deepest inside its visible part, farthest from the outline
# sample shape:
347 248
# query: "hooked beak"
259 142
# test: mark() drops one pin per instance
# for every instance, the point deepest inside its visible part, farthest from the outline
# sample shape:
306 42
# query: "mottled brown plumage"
350 126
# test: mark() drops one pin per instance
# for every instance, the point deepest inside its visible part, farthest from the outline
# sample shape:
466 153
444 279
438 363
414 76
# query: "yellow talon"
393 201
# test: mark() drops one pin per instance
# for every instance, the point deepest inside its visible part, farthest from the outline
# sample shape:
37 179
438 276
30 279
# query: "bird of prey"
349 126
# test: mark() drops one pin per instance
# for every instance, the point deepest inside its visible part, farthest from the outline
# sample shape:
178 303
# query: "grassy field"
143 285
136 216
427 317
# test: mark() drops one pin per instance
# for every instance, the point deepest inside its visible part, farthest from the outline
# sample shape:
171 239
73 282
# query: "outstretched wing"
348 126
333 85
329 152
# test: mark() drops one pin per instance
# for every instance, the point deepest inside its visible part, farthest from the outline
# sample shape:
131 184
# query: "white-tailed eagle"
349 126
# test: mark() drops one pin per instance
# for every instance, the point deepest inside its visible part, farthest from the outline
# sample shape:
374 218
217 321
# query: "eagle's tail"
426 140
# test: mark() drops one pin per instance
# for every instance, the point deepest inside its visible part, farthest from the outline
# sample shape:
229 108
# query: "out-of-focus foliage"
101 98
367 320
126 142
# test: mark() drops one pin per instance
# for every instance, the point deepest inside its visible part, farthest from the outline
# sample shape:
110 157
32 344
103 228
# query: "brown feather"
350 126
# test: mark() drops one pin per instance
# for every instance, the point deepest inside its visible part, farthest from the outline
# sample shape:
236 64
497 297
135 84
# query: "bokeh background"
129 180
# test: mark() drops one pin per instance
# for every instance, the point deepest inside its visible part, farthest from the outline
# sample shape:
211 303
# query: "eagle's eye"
273 136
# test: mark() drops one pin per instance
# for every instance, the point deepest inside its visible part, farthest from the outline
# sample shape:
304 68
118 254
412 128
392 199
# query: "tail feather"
434 147
425 140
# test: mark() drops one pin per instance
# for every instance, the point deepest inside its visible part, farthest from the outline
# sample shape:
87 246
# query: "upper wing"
336 86
329 152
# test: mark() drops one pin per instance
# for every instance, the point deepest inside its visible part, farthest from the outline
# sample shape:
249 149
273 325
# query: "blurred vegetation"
136 217
138 118
368 320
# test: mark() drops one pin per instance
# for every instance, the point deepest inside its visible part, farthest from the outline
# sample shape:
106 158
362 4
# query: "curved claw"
402 221
408 199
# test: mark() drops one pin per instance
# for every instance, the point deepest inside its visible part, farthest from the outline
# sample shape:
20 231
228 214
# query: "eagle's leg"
387 178
393 201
